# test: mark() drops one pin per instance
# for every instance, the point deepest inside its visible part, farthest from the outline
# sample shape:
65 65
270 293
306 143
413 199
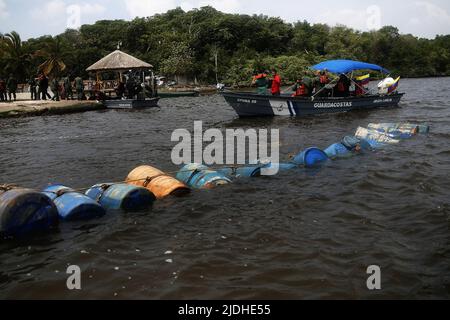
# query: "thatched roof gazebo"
118 61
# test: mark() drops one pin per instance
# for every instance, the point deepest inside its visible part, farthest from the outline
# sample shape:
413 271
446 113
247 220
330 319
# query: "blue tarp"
346 66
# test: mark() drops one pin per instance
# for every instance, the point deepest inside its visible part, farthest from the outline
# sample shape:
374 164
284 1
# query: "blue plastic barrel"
337 150
23 211
242 172
311 157
397 134
198 176
348 147
281 166
375 144
73 205
121 196
401 128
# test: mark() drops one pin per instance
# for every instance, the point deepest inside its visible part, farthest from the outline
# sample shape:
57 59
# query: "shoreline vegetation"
205 46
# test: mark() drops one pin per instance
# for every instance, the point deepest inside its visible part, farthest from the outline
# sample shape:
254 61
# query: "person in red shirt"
276 83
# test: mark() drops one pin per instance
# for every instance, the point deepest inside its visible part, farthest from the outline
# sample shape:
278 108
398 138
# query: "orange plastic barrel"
159 183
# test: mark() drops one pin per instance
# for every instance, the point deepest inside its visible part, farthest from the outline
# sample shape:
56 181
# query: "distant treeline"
188 43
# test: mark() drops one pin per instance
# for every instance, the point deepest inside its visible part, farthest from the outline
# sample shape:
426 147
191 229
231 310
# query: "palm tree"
54 53
16 58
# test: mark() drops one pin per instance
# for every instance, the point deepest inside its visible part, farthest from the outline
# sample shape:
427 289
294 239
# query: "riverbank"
26 108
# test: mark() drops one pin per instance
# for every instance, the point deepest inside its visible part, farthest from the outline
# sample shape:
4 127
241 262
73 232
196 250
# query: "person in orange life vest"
343 87
301 90
260 79
276 83
322 80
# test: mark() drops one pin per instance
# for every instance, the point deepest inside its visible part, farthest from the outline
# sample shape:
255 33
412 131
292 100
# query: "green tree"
54 52
14 55
179 61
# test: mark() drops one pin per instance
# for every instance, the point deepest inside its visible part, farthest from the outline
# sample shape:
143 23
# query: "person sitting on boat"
276 83
131 87
260 79
324 77
301 89
342 88
321 81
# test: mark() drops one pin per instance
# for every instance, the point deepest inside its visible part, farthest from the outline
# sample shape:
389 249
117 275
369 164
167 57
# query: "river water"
300 235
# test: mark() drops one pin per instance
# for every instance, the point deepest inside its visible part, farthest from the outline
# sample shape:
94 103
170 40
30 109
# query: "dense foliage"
189 43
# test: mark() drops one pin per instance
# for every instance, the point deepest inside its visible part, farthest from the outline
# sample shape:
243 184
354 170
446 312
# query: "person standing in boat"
276 83
131 87
260 79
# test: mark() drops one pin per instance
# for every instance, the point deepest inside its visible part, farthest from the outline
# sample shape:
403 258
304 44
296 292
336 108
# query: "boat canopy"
346 66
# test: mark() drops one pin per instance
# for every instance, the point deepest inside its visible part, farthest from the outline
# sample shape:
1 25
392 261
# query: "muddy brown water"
300 235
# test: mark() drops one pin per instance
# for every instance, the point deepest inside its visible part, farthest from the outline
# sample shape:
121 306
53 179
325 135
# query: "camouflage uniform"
79 87
12 88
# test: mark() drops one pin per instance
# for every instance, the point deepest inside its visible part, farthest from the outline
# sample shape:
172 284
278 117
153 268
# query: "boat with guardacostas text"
327 96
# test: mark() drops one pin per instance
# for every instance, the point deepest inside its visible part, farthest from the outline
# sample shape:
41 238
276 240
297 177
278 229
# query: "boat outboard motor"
311 157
